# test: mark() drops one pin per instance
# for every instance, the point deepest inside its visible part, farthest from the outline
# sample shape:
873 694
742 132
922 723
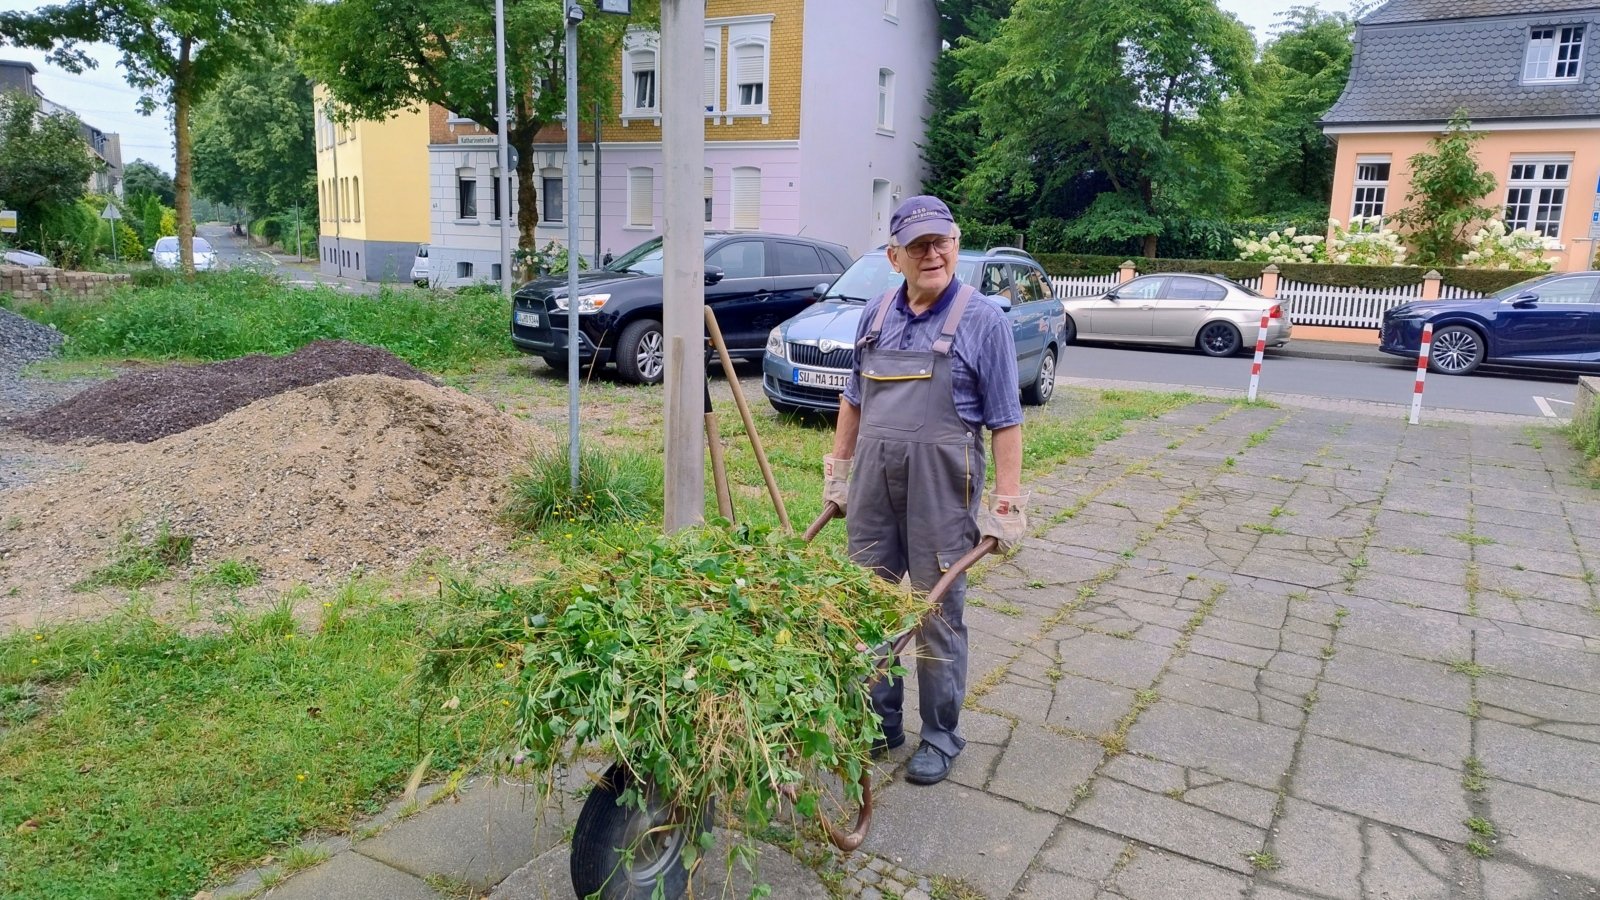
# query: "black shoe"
881 746
928 765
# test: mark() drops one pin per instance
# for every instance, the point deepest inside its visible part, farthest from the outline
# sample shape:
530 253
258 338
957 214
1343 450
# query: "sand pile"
365 472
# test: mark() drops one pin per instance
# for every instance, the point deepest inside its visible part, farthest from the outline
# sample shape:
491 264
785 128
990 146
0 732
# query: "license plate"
530 319
808 378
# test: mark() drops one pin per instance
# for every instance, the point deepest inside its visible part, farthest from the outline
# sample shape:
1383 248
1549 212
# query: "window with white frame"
550 188
746 198
466 193
1536 194
891 10
712 77
1554 54
747 76
641 82
708 186
1371 188
886 99
641 197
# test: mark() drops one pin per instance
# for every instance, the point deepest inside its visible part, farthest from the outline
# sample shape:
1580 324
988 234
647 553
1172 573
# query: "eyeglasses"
937 245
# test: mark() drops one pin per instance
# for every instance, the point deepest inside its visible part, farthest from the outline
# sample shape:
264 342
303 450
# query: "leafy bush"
1483 281
228 314
1365 242
1493 247
1280 247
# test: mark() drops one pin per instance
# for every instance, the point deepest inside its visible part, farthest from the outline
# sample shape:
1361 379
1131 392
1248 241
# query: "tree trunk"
521 138
183 181
1147 193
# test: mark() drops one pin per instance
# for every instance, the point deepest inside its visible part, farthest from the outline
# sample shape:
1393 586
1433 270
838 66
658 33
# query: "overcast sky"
103 99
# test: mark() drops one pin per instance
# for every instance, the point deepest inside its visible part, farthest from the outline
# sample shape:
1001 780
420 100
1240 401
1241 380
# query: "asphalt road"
1518 392
235 252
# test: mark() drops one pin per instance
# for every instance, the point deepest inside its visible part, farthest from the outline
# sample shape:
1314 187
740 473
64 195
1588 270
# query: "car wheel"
1456 350
1219 339
639 352
1069 332
1044 386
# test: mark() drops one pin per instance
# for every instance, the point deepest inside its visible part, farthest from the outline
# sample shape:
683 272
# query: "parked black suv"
753 282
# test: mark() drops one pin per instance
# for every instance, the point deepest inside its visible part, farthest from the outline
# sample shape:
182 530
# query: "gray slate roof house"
1417 61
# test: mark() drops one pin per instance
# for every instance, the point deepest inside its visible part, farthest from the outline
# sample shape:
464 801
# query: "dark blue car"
809 357
1550 322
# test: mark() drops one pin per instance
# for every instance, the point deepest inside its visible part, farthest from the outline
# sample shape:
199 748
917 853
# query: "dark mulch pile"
144 406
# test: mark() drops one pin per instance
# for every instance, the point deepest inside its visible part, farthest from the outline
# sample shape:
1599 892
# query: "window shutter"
709 89
641 205
750 64
746 198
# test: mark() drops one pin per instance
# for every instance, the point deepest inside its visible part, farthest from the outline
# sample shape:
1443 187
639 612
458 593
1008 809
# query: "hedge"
1483 281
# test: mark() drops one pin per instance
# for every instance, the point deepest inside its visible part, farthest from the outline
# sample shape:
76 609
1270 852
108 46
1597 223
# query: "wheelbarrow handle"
985 547
830 511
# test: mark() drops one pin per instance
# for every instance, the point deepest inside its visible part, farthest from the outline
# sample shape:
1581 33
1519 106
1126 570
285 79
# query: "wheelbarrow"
625 852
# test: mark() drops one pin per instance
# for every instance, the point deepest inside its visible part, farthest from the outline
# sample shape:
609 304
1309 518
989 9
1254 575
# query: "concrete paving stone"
1284 686
1319 631
1534 502
1553 623
352 875
1549 561
1053 568
1419 796
1535 661
1092 707
1331 528
1154 875
1182 551
1269 892
1318 850
1540 585
1256 657
1224 745
1553 518
1055 886
1028 704
1402 865
983 728
1216 671
932 830
1303 644
1545 761
983 618
1096 534
485 835
1237 632
1551 532
1452 598
1587 733
1423 633
1082 852
1398 676
1151 774
1295 664
1546 829
1236 801
1128 663
975 766
1159 821
1443 569
1384 723
1294 571
1428 533
1043 769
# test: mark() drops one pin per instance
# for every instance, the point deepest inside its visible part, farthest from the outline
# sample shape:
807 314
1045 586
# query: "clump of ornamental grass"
718 662
612 487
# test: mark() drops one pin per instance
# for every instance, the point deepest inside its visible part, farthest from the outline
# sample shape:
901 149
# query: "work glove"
1003 518
836 482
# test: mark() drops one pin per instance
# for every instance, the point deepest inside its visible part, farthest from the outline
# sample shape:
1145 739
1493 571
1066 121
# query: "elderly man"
934 365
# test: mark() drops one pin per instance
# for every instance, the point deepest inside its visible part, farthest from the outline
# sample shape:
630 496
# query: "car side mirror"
820 291
713 274
1524 301
1112 295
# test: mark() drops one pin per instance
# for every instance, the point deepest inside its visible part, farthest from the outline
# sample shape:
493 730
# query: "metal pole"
597 114
683 153
502 190
570 176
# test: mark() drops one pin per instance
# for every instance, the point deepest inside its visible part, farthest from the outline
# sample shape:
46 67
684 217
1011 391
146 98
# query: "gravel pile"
23 341
144 406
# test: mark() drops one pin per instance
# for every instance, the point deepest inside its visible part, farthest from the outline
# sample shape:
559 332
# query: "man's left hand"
1005 519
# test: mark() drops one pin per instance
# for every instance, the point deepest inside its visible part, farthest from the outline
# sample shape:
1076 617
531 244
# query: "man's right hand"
836 482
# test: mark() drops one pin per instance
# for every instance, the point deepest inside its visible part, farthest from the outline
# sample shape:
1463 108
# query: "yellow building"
372 193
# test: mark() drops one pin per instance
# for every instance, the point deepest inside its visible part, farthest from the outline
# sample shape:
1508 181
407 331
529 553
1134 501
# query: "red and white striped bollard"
1422 371
1261 351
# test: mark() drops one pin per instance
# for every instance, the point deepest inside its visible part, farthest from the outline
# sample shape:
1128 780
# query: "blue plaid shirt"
983 356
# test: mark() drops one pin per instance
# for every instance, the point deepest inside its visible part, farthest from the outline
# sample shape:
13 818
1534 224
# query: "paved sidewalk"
1252 652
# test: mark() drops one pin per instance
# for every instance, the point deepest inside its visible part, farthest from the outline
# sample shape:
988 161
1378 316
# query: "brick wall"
34 283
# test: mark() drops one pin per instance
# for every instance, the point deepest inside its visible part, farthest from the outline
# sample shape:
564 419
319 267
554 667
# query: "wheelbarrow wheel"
625 853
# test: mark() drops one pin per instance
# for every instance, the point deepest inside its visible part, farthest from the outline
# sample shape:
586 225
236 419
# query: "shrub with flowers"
1495 247
1280 247
1365 242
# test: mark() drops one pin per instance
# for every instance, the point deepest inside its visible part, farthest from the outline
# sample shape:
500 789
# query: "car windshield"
1520 287
201 245
167 245
647 258
872 275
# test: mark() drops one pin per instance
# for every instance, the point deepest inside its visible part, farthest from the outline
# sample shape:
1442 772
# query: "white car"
419 267
165 254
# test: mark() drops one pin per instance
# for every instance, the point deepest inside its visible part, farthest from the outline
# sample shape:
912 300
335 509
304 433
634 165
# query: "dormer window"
1555 54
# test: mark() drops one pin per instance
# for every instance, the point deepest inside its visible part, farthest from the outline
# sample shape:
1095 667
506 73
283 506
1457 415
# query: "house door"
881 211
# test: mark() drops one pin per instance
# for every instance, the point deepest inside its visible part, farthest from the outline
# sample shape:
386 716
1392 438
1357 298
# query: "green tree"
1447 186
253 143
1130 93
141 177
379 56
173 51
953 135
44 163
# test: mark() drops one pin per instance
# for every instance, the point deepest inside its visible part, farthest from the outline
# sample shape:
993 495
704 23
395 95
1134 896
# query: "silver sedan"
1215 315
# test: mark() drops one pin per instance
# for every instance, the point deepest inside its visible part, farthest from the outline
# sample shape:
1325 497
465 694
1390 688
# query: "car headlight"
775 343
587 303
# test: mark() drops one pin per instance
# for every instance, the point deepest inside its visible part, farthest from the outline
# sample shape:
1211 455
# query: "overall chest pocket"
897 389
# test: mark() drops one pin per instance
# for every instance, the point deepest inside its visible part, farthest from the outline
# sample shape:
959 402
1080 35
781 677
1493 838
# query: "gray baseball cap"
920 216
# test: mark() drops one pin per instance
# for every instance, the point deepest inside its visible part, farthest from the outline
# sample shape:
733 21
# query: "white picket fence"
1307 304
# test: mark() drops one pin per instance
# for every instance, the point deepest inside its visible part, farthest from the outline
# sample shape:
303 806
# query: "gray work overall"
914 493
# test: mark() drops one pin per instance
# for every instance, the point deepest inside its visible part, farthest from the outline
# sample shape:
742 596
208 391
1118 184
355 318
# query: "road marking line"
1544 407
1567 402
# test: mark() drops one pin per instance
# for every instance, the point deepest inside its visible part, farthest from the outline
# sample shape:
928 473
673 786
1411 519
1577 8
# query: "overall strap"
885 300
952 318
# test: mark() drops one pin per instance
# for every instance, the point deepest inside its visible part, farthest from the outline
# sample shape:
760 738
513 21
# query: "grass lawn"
153 759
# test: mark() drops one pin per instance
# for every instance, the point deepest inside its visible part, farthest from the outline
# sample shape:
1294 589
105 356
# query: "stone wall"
41 282
1588 399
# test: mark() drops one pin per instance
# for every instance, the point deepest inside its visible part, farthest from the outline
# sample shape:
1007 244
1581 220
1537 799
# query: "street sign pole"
683 153
502 186
570 177
112 214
